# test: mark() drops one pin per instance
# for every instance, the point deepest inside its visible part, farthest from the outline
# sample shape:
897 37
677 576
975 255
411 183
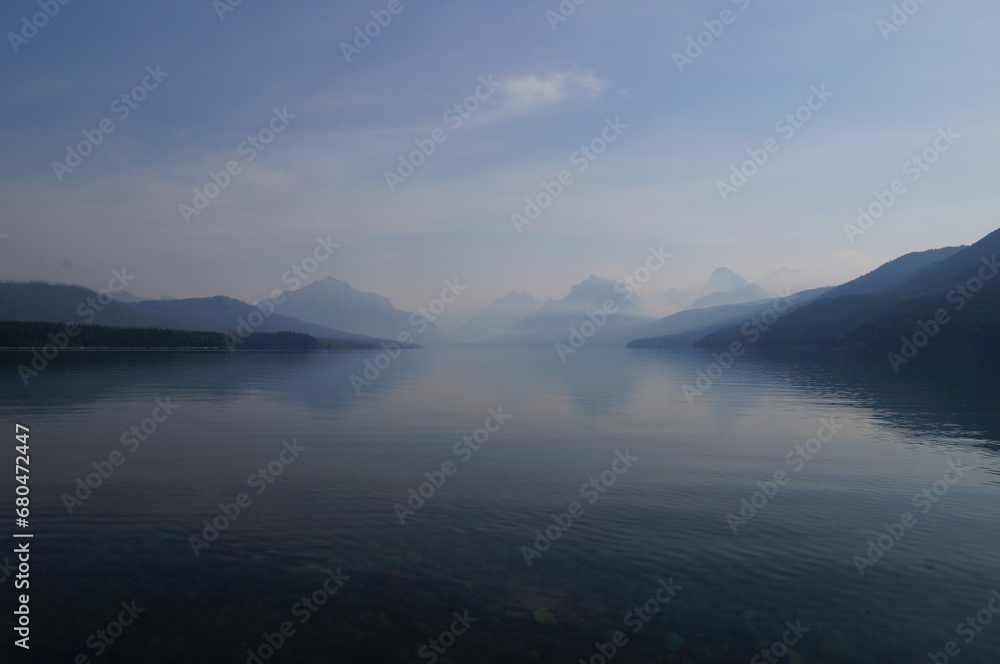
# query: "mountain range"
57 303
951 286
330 308
334 303
944 296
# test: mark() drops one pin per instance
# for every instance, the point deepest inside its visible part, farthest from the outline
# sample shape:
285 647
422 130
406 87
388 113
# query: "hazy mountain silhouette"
663 304
552 321
727 287
334 303
126 297
784 280
451 320
723 280
222 314
497 320
898 302
956 285
749 293
686 327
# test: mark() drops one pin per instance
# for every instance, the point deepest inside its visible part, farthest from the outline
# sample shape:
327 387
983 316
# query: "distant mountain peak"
593 289
331 281
497 319
328 286
126 297
519 296
332 302
593 281
724 280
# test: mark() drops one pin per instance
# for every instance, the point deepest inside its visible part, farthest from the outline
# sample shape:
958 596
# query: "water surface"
662 517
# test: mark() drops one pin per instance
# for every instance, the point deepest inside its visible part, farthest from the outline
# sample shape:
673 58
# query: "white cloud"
523 93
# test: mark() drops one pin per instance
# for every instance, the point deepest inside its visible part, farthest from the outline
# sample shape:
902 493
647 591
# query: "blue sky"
324 173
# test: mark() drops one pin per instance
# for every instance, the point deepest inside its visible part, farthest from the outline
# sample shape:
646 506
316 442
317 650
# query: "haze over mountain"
875 309
723 280
784 280
335 303
519 319
498 320
749 293
657 306
452 319
727 287
553 320
943 296
126 297
686 327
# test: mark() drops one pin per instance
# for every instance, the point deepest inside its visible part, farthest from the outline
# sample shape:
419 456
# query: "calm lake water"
653 474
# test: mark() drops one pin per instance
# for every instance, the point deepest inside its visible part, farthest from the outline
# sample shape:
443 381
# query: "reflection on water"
792 559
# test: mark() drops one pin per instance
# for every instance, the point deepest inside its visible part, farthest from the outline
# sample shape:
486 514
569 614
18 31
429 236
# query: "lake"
499 505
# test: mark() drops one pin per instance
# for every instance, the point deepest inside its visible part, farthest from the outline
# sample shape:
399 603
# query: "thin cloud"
524 93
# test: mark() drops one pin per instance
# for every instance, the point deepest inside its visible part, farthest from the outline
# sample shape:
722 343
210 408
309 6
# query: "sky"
115 116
